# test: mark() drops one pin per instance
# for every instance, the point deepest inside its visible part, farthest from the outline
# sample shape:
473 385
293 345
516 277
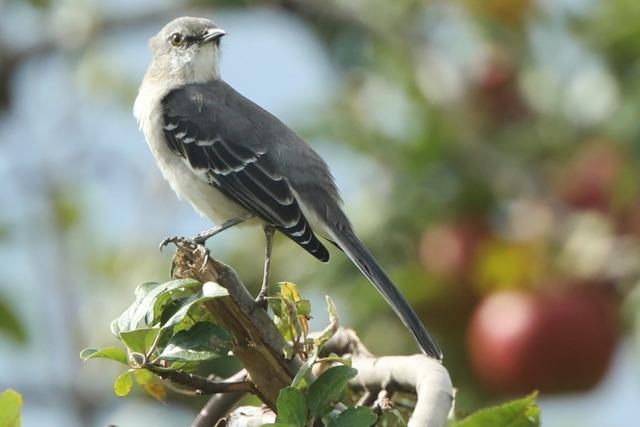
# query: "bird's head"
187 50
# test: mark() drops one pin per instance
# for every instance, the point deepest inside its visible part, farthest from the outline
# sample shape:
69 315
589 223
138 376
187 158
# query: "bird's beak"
212 34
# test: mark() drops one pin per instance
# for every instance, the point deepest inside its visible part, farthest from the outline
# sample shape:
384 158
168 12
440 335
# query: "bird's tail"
364 260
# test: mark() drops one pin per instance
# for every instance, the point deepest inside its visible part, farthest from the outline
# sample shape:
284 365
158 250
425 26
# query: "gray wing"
225 139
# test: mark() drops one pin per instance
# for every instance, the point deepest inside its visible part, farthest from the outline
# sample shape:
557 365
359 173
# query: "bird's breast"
206 199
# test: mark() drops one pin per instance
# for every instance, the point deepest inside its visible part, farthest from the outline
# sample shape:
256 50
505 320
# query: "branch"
248 416
219 405
257 342
260 348
418 374
202 385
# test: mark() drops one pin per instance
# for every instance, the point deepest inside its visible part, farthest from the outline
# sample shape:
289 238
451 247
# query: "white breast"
205 199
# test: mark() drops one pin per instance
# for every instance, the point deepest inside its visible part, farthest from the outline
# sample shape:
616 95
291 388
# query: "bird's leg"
261 300
201 238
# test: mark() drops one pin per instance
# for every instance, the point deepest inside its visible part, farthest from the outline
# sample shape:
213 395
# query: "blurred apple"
508 264
496 91
629 219
588 180
447 250
560 340
510 12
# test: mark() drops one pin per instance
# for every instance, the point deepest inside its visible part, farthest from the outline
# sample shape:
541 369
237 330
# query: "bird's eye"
176 39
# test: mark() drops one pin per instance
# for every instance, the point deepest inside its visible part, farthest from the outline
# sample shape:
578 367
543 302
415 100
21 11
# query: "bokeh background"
488 152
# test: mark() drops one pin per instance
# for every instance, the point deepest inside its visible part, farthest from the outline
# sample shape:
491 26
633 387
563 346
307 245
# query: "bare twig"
219 405
202 385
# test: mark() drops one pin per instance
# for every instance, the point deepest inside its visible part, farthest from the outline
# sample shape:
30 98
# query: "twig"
219 405
383 402
367 399
202 385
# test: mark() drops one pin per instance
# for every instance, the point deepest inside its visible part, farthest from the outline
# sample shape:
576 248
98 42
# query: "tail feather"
367 264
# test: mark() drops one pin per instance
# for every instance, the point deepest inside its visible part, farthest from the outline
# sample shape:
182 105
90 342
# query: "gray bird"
235 162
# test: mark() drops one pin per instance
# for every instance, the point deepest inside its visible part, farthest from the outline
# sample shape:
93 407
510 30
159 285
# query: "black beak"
212 35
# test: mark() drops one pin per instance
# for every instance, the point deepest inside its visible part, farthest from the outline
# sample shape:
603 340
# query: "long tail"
364 260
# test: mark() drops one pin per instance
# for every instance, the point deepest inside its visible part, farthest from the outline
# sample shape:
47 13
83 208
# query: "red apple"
557 341
447 250
588 180
496 91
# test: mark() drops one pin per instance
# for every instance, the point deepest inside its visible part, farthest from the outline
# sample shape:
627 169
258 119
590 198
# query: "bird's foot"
181 242
261 301
177 241
194 245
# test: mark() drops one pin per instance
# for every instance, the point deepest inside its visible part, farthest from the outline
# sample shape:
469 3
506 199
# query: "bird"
236 163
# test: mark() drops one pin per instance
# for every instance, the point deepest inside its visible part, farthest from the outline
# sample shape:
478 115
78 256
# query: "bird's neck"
158 83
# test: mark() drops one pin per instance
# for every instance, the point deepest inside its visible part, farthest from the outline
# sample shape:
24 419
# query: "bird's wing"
225 140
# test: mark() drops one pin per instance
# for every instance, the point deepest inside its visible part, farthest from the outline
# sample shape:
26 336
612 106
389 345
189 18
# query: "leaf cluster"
165 329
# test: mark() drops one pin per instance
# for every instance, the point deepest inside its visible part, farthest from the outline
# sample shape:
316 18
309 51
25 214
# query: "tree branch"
257 342
202 385
418 374
219 405
248 416
260 348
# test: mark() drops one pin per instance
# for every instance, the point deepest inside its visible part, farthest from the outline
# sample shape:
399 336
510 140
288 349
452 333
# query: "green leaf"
151 384
209 291
392 417
290 291
151 299
173 291
328 388
140 340
11 324
140 314
124 322
278 425
113 353
291 312
291 407
301 381
123 384
303 307
203 341
214 290
331 329
10 406
334 358
355 417
517 413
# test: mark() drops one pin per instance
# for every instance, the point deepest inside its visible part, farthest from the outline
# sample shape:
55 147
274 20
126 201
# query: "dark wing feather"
225 140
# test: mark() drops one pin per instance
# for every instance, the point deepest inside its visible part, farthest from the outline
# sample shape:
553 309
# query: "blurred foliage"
506 132
10 407
518 413
10 323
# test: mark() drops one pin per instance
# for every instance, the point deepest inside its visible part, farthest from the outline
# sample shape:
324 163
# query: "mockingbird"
235 162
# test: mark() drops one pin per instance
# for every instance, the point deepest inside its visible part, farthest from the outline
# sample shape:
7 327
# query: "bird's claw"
193 244
182 242
175 240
